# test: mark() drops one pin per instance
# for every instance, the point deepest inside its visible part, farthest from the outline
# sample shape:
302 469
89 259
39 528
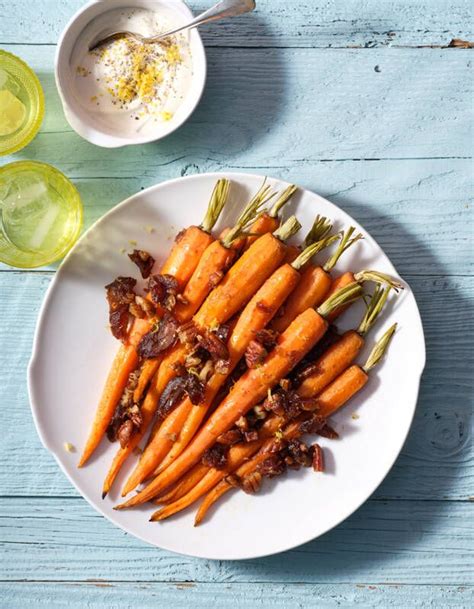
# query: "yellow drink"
21 103
40 214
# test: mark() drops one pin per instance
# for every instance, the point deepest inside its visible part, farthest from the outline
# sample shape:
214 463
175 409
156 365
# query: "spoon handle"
221 10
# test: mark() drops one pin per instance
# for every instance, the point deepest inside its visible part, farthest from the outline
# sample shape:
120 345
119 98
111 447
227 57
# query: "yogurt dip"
128 87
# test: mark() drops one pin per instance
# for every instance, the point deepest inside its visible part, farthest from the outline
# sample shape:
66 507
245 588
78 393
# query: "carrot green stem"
380 278
288 229
282 200
379 349
249 214
346 241
216 204
344 296
312 250
374 308
320 229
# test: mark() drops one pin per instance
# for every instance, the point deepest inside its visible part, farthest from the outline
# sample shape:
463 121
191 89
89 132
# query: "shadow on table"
432 456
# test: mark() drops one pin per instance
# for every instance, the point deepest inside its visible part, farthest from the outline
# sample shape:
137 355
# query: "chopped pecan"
142 307
163 290
251 436
284 403
216 456
312 425
272 466
222 366
275 403
120 294
135 310
233 480
260 412
144 262
158 340
299 452
309 404
126 409
233 436
277 446
187 333
255 354
216 348
206 371
318 458
285 384
251 482
242 423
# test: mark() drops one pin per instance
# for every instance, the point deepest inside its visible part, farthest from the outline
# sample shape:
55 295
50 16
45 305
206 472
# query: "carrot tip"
104 494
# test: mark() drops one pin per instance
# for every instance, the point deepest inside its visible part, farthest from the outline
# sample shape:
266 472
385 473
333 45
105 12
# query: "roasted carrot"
254 318
234 293
336 395
328 366
315 284
237 287
292 345
213 264
240 458
216 260
268 222
326 369
347 384
344 351
181 262
184 485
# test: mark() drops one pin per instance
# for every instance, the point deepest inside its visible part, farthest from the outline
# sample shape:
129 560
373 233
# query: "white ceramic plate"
73 350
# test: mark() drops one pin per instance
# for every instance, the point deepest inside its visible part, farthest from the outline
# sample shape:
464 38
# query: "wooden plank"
417 210
96 595
436 462
427 542
276 106
279 23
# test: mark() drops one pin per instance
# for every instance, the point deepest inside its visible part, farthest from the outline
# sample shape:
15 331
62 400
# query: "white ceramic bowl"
87 124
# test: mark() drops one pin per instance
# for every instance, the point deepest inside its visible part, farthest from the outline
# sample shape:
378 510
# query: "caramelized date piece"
216 456
163 290
158 340
144 262
120 295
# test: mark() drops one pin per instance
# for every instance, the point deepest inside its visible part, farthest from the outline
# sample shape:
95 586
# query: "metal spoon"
222 10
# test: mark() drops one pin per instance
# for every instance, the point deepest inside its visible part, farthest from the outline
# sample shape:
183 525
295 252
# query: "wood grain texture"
280 23
273 104
96 595
383 542
436 462
408 206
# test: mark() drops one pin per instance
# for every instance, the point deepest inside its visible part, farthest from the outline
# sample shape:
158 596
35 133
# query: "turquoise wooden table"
365 102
